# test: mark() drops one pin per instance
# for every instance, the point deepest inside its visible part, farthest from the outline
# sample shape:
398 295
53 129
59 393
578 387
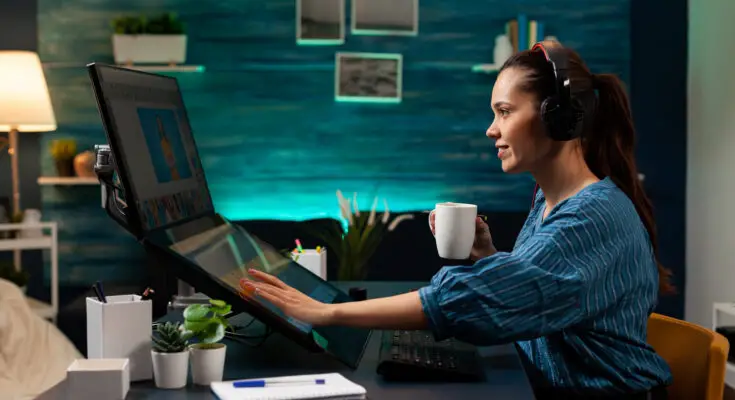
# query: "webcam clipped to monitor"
166 204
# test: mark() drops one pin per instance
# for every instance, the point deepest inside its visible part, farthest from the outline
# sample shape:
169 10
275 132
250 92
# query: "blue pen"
259 383
102 292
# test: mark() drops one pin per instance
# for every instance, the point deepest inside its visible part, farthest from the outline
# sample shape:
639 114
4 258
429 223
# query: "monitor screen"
224 252
145 114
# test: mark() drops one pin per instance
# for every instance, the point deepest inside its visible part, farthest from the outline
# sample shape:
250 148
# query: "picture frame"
368 77
320 22
385 17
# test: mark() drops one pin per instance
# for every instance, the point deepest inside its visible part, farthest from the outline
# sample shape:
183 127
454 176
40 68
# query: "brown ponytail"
609 143
610 152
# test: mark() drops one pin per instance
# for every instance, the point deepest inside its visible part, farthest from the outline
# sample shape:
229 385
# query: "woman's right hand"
483 245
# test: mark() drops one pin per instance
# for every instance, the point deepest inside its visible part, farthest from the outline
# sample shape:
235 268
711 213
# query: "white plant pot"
170 369
207 364
149 49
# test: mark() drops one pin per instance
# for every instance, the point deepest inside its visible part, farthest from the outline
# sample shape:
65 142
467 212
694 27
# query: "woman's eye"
503 112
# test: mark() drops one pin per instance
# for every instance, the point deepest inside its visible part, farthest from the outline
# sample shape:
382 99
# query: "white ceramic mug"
454 227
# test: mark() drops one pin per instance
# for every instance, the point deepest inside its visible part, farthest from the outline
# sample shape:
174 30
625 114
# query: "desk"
505 378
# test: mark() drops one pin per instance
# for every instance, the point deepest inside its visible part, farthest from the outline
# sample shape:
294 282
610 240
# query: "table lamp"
25 104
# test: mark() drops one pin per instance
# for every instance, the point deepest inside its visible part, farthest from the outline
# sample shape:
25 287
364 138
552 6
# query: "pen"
97 293
259 383
101 292
298 246
147 293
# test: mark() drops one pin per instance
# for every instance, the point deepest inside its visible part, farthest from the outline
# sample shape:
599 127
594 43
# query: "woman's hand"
483 245
291 301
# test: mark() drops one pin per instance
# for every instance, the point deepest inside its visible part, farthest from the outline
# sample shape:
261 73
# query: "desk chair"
697 357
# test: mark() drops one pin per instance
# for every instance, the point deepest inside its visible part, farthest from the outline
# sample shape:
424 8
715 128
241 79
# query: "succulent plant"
169 338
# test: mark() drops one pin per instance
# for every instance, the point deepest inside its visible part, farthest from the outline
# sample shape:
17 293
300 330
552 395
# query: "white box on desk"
314 261
122 328
107 378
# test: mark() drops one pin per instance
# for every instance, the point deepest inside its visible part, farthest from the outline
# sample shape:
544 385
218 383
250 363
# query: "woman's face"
519 133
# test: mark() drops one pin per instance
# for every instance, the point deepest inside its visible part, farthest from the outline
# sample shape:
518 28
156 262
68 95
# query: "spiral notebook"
335 387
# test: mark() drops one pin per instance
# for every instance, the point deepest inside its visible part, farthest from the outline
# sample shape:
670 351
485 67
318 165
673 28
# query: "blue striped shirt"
574 295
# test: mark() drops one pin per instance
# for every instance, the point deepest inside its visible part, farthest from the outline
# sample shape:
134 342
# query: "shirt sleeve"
537 289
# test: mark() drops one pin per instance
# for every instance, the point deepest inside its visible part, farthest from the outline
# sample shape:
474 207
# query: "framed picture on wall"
385 17
368 77
320 22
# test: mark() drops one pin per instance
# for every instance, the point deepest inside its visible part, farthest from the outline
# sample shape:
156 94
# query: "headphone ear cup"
549 115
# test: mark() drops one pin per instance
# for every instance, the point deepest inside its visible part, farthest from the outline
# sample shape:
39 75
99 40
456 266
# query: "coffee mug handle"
428 220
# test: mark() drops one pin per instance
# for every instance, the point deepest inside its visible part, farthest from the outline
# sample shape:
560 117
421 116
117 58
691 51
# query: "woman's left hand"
291 301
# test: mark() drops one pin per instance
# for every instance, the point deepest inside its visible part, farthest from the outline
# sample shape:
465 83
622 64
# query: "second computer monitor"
154 145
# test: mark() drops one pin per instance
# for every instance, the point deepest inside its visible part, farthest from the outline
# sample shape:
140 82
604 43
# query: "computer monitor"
171 211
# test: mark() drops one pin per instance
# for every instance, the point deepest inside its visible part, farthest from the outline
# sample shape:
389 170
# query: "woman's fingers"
269 295
266 277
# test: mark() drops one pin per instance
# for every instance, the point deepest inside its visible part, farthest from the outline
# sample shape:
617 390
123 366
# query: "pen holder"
121 328
314 261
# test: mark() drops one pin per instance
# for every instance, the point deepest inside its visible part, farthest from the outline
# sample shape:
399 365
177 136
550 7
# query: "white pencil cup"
314 261
122 328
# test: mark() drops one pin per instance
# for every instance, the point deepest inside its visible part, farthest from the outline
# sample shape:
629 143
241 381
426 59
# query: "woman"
576 292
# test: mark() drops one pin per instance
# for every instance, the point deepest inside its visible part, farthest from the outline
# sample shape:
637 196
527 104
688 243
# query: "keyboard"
416 356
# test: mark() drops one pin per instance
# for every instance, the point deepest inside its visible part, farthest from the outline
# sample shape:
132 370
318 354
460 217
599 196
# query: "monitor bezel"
133 218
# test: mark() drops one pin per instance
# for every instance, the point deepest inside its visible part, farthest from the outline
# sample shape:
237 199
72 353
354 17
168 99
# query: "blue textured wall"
273 141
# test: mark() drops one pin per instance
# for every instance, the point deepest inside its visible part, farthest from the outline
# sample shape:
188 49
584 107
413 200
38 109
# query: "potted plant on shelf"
10 273
63 152
170 356
142 40
206 323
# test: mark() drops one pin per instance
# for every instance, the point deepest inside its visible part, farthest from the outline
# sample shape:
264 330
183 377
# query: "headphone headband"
562 117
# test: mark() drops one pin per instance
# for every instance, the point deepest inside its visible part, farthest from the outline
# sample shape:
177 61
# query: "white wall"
710 238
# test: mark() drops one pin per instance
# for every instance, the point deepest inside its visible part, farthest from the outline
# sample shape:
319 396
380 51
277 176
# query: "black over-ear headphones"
561 115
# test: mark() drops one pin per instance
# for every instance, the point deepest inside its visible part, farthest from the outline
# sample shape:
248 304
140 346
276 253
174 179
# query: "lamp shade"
25 104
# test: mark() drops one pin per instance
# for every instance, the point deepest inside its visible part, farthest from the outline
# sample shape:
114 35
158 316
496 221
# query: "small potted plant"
206 323
170 356
142 40
63 152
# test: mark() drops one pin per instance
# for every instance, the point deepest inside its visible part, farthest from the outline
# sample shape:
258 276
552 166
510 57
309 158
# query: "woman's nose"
492 132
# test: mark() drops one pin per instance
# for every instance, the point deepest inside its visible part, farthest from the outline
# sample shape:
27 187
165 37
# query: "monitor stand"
114 203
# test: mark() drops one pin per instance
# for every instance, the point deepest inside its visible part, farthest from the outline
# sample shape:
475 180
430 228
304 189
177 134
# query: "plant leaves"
222 310
196 326
217 303
196 312
213 333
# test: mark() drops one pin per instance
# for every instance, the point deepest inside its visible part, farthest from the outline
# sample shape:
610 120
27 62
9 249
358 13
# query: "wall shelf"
485 68
67 180
37 241
166 68
146 68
